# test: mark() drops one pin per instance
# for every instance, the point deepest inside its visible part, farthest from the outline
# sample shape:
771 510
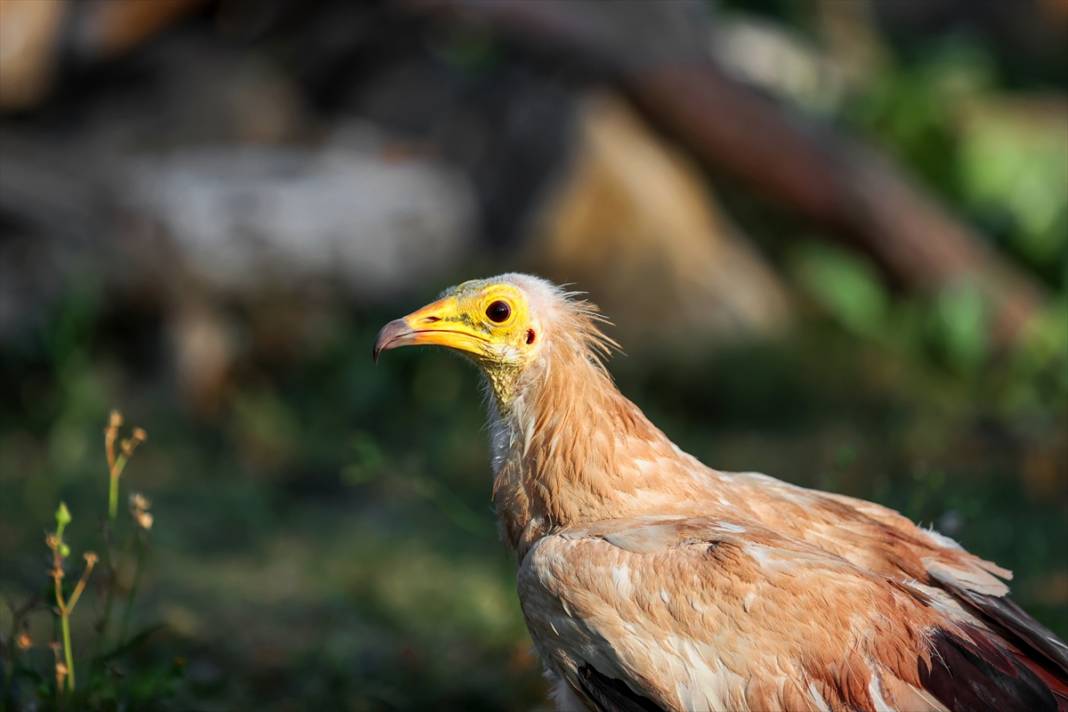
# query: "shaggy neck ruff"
566 444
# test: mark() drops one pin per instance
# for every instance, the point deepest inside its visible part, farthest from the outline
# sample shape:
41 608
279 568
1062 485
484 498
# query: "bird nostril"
431 319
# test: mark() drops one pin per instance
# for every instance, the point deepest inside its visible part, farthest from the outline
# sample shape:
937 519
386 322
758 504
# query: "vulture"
650 581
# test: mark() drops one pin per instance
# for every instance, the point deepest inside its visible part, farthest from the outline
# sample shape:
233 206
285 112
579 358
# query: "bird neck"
567 448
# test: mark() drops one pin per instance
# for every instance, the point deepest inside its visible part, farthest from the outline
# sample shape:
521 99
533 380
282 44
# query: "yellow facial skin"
471 319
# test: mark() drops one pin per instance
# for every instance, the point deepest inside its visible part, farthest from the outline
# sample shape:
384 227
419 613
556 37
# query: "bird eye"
498 311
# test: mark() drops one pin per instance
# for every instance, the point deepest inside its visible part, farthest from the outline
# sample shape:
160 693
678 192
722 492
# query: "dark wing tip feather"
1002 615
980 673
1020 628
607 694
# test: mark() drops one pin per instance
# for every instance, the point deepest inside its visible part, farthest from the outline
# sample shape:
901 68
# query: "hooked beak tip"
391 335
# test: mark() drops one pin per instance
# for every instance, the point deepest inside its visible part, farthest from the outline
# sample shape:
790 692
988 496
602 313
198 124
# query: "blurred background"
832 237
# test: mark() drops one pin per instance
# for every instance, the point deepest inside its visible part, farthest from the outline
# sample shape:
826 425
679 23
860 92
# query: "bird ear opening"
530 336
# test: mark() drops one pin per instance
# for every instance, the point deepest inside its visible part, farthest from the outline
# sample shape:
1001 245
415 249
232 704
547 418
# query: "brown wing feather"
899 545
623 607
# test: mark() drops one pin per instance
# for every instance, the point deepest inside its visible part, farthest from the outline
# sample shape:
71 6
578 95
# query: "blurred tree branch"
657 53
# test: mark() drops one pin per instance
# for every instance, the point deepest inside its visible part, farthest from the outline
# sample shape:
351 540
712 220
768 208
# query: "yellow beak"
438 324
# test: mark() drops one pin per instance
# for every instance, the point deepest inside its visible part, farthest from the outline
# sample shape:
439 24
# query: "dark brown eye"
498 311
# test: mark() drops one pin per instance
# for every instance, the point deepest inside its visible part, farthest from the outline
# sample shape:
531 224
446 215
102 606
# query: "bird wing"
680 613
881 540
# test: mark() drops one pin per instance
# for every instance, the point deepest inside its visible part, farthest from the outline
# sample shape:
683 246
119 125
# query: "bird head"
507 325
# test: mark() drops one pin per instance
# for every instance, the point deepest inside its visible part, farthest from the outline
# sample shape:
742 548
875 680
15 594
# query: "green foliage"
81 680
845 285
1001 157
1014 174
959 328
950 328
913 109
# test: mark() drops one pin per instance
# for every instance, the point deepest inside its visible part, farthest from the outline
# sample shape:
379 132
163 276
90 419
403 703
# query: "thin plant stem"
116 465
79 587
64 607
58 553
113 488
68 655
